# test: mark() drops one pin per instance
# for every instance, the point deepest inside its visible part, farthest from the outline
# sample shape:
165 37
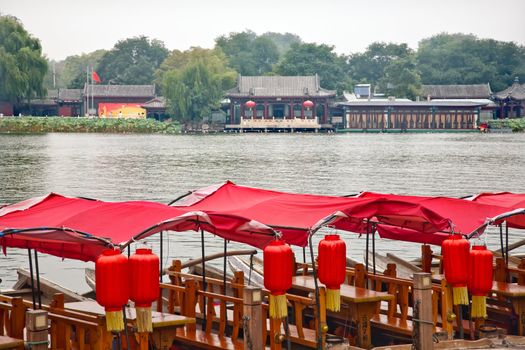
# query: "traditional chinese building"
511 101
405 115
94 95
279 103
477 93
156 108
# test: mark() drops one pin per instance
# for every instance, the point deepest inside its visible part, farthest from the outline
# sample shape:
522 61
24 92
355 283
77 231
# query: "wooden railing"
224 313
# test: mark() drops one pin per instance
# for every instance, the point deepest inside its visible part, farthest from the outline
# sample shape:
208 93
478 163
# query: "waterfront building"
511 101
477 93
279 103
117 100
406 115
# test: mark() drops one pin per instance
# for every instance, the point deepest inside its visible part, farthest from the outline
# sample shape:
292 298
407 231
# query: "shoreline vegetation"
515 124
36 125
86 125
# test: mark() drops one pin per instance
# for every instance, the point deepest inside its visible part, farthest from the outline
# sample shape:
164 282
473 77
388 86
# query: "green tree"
283 41
401 79
193 82
310 59
132 61
22 66
249 54
369 66
465 59
73 73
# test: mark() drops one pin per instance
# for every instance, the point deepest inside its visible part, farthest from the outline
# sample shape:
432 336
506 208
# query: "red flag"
95 77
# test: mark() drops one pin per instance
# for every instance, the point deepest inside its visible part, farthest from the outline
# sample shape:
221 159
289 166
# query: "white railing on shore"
296 123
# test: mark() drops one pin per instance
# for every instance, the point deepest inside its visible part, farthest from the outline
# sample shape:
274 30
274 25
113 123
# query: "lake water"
160 168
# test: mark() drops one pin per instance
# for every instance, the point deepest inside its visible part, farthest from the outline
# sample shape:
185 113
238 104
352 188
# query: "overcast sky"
70 27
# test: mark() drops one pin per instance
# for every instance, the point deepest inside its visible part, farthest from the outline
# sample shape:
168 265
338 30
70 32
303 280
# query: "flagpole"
92 92
87 92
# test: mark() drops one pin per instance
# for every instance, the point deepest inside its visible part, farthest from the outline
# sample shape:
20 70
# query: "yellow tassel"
114 321
333 300
144 323
460 295
479 306
278 307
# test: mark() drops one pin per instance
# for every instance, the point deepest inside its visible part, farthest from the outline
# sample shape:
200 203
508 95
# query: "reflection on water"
160 168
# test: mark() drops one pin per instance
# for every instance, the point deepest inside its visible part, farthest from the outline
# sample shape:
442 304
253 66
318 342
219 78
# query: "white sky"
69 27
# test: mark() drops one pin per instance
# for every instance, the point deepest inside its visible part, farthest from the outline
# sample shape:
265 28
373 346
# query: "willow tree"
22 66
194 82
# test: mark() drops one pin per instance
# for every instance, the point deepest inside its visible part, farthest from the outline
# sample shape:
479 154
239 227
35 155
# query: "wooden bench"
207 340
11 343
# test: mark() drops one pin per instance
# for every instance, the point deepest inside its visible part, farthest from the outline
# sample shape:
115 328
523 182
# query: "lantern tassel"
333 300
114 321
144 323
479 306
278 307
460 295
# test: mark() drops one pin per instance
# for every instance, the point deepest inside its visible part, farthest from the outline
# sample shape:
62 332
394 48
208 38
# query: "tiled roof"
372 103
157 102
456 91
121 90
70 94
514 92
274 86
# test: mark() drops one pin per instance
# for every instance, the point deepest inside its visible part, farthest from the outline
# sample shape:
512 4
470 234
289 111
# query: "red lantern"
480 279
112 286
144 285
332 269
308 104
278 271
250 104
455 250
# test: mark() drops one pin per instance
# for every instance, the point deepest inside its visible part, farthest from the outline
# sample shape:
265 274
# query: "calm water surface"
160 168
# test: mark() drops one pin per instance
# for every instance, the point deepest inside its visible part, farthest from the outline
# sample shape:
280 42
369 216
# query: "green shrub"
61 124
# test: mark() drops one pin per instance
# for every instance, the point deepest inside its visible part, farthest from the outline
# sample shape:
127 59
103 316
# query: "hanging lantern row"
455 250
278 272
468 268
480 279
119 279
332 269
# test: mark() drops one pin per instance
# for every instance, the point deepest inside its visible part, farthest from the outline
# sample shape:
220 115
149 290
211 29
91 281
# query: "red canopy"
466 216
80 228
296 214
510 201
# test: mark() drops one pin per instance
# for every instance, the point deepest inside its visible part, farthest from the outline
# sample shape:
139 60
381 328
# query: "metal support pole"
304 255
318 307
224 279
506 244
501 242
367 244
251 268
125 325
161 255
374 249
129 251
203 282
38 280
32 278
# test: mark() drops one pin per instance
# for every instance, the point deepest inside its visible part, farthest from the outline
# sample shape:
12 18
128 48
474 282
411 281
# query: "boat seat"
203 340
396 325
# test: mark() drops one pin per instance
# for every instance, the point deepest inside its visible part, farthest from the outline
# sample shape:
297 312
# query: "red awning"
510 201
296 214
80 228
466 216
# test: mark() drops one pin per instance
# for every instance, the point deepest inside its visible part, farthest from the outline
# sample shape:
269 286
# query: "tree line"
194 81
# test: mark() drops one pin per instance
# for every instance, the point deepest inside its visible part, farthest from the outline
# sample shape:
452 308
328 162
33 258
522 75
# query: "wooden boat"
253 277
22 288
404 269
